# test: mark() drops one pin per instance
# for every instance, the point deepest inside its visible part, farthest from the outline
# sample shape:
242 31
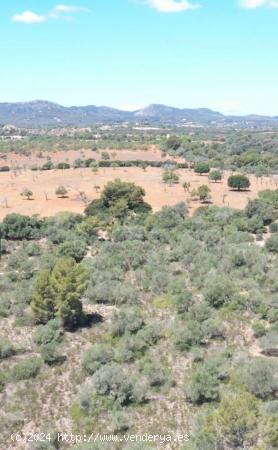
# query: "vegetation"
57 293
27 193
61 191
238 182
202 168
215 175
168 311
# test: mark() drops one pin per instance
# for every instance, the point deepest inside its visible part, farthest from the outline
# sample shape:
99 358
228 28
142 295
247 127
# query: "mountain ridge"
43 113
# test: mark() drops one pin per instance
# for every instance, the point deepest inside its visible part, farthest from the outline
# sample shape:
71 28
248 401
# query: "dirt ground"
44 184
14 160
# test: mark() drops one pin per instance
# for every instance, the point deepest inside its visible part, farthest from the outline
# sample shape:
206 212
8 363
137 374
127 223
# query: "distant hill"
42 113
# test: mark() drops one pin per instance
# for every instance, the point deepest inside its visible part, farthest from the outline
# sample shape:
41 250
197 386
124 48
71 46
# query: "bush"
26 369
189 335
202 168
4 169
150 334
205 384
50 354
113 292
260 378
5 306
62 166
32 249
120 422
61 191
51 332
269 343
130 347
129 320
183 301
273 227
215 176
233 425
111 381
47 166
219 291
6 348
272 243
155 373
173 143
260 209
170 177
18 227
259 329
76 249
97 356
238 182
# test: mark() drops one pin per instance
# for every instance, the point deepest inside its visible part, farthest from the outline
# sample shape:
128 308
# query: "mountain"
40 113
164 113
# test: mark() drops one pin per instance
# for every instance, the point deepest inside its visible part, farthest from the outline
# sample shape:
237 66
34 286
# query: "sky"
219 54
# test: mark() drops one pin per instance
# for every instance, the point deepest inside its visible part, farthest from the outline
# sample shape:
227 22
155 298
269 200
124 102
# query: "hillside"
125 322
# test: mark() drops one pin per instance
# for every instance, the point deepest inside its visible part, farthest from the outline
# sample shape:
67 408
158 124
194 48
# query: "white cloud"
170 6
69 9
254 4
228 106
28 17
58 12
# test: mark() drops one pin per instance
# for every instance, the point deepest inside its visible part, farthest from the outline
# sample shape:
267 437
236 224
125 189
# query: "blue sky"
221 54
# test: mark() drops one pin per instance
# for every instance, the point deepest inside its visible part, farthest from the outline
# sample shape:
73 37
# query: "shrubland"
168 313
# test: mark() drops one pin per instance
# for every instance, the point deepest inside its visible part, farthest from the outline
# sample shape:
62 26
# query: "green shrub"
259 329
215 176
260 377
51 332
6 348
18 227
150 334
130 347
206 381
155 373
113 292
26 369
97 356
233 425
76 249
272 243
219 291
269 343
202 168
188 335
112 381
128 320
50 354
273 227
259 209
5 306
183 301
120 422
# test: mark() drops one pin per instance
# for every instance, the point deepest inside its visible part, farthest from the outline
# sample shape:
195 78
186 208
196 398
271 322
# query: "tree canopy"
238 182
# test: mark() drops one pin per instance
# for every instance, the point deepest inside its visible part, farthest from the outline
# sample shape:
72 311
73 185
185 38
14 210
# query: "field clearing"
44 184
15 160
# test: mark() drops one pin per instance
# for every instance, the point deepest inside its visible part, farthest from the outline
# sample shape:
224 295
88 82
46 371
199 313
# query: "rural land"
138 279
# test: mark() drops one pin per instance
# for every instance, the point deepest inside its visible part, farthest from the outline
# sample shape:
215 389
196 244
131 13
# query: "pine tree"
43 300
68 281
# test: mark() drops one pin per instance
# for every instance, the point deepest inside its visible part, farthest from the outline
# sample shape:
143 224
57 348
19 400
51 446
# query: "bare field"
77 180
15 160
